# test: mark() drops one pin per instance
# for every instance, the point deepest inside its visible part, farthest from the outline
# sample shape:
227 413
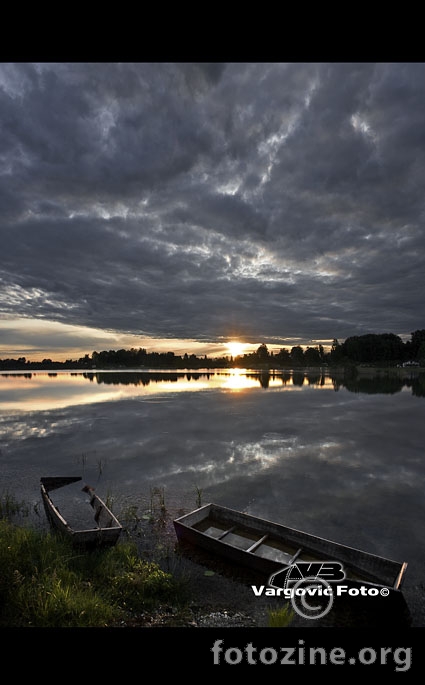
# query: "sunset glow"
236 348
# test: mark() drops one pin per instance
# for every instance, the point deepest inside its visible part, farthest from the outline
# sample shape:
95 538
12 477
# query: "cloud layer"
205 201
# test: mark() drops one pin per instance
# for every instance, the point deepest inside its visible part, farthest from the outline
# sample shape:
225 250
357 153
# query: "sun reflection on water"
42 390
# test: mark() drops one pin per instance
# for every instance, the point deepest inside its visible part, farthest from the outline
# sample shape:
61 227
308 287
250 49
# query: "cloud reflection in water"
342 464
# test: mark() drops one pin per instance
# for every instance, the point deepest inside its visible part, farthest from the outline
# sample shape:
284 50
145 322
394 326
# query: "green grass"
280 618
46 582
10 507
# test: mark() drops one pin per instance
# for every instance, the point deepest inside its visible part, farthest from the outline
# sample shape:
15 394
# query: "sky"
180 206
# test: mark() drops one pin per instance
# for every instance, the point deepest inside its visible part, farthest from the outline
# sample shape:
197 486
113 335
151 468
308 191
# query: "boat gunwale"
221 513
96 532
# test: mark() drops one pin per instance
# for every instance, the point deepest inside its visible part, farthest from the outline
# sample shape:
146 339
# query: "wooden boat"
105 530
268 547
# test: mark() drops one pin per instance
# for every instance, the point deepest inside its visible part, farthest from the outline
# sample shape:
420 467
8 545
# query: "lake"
339 457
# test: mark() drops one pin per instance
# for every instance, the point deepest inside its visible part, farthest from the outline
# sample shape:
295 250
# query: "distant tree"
312 356
336 353
262 353
420 357
297 355
418 338
283 357
373 347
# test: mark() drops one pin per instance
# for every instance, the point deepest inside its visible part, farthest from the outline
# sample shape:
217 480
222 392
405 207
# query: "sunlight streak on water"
42 390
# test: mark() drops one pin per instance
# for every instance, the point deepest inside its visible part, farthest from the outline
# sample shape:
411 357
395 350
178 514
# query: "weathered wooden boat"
105 530
268 547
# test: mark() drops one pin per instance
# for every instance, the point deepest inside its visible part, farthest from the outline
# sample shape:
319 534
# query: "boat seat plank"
296 555
240 538
257 544
277 551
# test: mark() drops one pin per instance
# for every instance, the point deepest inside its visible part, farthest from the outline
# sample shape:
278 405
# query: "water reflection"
338 456
48 390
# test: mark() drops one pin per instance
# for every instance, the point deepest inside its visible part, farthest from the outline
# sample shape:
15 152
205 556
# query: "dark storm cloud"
206 200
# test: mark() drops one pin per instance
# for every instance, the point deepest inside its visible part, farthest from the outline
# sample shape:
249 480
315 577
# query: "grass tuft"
46 582
280 618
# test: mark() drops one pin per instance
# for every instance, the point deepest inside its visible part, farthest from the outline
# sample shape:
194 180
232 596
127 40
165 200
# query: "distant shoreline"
360 369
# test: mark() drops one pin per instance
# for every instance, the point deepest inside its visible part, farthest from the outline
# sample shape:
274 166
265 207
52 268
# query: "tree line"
372 348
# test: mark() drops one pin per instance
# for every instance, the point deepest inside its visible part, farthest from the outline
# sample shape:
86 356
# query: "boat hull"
106 529
267 547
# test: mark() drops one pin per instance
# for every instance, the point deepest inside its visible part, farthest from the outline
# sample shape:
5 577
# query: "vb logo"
308 584
327 571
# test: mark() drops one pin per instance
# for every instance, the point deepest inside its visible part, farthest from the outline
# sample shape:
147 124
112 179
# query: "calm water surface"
341 459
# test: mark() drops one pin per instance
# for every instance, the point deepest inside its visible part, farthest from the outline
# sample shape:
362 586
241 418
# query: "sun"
235 348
